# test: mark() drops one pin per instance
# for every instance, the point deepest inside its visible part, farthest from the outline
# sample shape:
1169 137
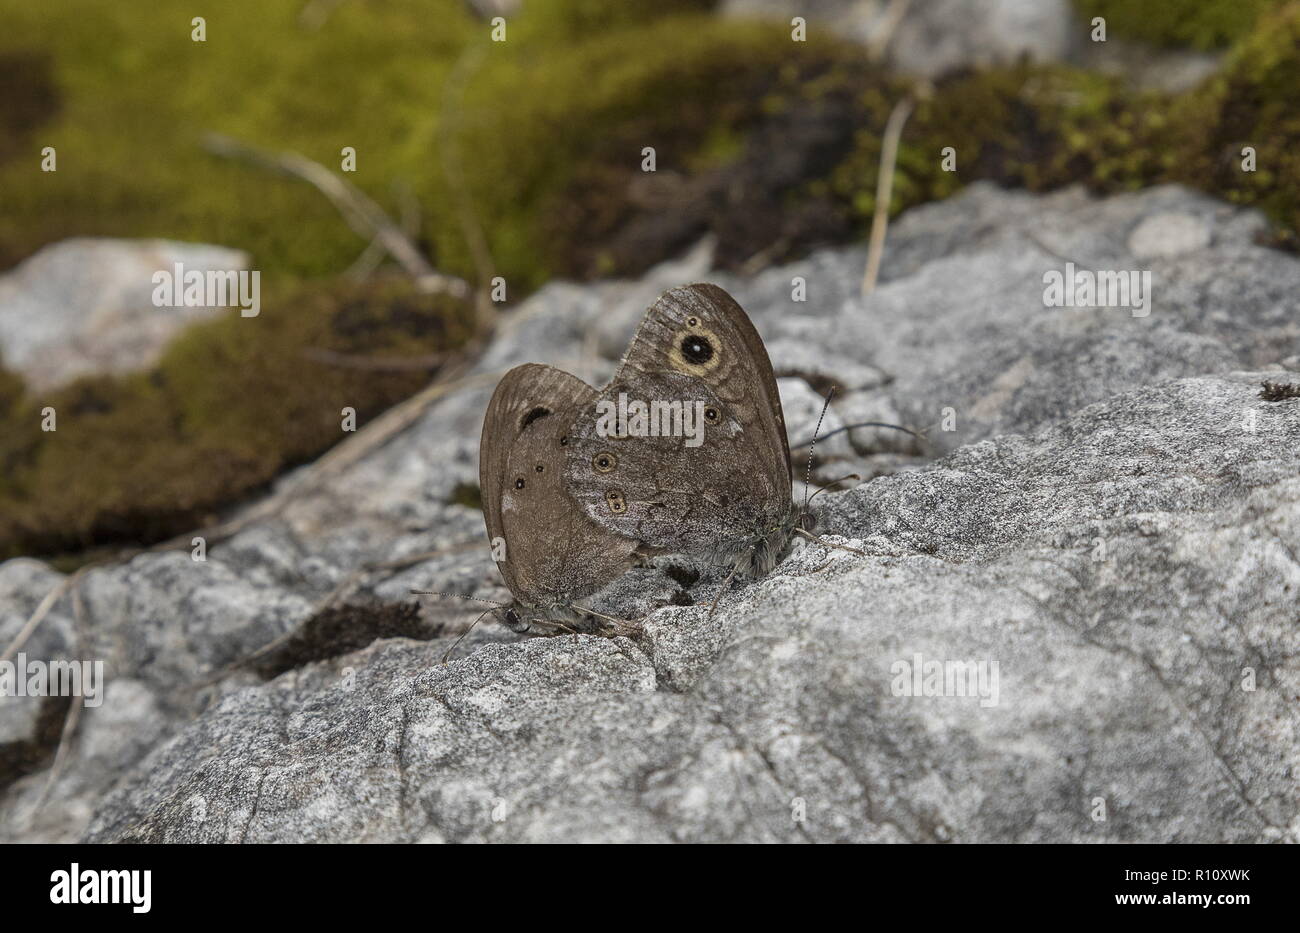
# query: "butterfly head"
512 620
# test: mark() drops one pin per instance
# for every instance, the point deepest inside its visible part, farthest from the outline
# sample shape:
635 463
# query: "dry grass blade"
883 29
362 214
42 610
73 717
885 190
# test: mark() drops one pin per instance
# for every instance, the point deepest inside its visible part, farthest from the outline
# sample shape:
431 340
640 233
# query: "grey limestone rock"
1099 540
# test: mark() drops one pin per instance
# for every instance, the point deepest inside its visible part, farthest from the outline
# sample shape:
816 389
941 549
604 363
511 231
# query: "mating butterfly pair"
576 505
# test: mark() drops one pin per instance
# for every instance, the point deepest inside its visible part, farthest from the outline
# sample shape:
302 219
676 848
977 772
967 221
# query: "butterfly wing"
694 345
554 553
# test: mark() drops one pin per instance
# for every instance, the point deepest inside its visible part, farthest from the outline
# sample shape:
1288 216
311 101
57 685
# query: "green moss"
552 21
1252 101
1039 128
760 126
139 95
548 153
1200 24
231 404
129 99
28 100
1035 127
688 86
1044 127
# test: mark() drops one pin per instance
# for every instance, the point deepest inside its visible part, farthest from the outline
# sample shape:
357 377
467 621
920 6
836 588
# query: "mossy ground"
231 404
1042 127
771 145
125 97
138 96
1198 24
1022 126
1253 101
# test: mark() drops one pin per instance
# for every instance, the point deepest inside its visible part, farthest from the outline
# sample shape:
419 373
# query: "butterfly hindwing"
553 552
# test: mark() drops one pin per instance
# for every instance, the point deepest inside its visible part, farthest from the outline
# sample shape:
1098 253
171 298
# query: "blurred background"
519 161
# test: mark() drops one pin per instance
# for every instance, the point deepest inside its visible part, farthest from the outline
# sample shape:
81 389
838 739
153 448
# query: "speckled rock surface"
1103 520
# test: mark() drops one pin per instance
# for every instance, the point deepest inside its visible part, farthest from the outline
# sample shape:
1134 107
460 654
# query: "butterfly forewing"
670 490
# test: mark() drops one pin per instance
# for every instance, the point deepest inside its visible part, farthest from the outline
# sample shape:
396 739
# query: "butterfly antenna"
457 642
919 435
834 482
474 599
811 446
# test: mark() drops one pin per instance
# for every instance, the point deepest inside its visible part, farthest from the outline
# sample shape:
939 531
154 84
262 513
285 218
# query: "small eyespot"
614 499
696 349
711 415
604 462
692 322
564 441
539 468
519 483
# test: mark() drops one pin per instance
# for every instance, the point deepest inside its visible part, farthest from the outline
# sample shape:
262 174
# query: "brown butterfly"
688 452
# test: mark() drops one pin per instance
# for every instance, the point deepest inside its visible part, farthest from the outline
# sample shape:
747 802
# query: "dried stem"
885 190
881 34
363 215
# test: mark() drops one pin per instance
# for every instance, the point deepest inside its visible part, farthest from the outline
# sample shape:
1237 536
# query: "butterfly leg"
457 642
713 606
554 627
627 628
613 627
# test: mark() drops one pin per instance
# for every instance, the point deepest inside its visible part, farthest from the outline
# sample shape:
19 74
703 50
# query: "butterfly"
724 496
683 452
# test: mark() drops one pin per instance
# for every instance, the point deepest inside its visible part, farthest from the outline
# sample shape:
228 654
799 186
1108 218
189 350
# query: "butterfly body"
758 554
